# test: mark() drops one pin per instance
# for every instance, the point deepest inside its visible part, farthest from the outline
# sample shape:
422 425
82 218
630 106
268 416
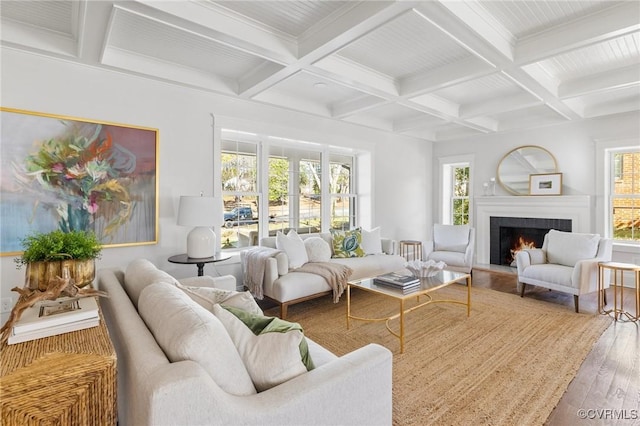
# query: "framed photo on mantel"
545 184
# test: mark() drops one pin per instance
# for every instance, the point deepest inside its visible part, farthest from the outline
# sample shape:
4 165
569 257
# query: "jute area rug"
507 364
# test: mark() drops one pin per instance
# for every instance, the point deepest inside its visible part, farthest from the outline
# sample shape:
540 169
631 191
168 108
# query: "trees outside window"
460 197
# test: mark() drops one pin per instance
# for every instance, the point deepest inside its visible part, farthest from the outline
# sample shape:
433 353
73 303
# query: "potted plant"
59 254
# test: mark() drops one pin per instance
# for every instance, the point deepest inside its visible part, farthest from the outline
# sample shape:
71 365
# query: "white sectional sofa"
152 321
287 287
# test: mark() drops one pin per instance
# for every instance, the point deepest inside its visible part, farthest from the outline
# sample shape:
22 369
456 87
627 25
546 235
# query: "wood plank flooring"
606 390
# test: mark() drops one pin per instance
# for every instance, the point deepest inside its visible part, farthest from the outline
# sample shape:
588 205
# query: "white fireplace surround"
577 208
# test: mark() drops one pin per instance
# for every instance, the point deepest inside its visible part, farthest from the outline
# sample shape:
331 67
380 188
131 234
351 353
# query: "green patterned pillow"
347 243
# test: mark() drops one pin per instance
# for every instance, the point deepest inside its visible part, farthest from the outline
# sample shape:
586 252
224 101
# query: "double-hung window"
624 195
456 184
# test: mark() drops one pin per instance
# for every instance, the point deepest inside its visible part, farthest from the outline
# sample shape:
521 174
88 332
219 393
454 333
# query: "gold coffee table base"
428 285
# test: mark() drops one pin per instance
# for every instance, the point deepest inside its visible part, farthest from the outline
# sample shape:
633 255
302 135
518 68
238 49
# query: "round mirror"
515 167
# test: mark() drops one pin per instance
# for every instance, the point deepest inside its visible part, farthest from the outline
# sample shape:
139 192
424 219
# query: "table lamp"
201 213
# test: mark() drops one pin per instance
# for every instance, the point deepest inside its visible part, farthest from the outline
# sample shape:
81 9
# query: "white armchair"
453 245
567 262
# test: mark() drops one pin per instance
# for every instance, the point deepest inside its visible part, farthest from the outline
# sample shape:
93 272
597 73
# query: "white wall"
572 144
400 165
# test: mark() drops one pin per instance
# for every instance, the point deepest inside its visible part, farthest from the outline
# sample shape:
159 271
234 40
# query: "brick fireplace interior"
508 235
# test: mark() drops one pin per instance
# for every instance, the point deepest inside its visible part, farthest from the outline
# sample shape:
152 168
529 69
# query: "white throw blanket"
254 264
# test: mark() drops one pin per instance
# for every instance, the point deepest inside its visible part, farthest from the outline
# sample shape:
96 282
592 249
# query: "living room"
189 107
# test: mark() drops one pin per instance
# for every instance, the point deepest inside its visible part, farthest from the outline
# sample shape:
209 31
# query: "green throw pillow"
347 243
260 324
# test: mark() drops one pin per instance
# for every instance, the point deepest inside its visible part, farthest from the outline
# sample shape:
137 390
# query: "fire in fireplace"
509 235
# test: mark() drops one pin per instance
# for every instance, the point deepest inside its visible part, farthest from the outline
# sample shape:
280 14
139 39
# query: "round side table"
411 249
618 270
198 261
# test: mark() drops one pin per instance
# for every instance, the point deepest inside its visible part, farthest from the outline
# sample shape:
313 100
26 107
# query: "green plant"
59 245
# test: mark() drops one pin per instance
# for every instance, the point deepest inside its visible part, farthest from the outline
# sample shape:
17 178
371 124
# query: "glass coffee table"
427 286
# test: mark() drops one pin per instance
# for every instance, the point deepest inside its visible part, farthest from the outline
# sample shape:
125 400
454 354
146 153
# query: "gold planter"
38 274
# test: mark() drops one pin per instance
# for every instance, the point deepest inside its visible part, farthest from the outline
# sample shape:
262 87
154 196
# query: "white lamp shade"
201 212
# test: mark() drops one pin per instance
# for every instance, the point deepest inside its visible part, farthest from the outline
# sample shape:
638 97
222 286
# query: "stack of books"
53 317
407 283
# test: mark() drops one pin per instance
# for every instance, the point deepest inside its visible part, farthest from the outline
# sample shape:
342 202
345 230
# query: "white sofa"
154 390
287 287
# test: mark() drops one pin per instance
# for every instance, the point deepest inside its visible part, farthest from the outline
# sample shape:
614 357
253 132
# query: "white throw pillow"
451 237
207 297
186 331
270 358
139 274
567 248
318 250
371 241
293 245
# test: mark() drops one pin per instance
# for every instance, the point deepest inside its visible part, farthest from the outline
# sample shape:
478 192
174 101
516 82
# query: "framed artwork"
69 173
545 184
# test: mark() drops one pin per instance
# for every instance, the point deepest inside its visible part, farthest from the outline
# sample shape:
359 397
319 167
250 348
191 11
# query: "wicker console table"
69 379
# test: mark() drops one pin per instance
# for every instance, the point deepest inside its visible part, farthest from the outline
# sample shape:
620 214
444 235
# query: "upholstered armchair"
567 262
453 245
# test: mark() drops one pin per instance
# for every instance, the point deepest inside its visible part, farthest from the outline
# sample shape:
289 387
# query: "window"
456 184
240 195
624 195
460 195
286 179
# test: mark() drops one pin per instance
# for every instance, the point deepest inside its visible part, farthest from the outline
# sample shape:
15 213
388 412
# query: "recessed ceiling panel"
55 16
601 57
405 46
155 39
528 117
290 17
393 113
525 18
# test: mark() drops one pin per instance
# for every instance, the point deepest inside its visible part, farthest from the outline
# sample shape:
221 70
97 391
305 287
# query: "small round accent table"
198 261
411 249
618 270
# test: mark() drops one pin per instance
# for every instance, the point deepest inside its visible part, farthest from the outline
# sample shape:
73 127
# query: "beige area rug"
507 364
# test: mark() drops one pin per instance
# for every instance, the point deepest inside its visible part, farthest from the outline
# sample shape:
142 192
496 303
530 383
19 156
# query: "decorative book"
398 279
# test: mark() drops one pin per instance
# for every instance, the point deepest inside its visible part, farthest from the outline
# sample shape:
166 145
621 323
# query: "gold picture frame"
69 173
545 184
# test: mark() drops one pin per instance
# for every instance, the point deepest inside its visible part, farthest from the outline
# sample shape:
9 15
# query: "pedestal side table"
198 261
618 270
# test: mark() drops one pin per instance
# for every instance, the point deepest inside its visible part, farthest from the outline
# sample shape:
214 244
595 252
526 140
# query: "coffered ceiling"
437 70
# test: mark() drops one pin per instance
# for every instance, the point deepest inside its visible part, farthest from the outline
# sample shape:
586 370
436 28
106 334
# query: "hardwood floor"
606 390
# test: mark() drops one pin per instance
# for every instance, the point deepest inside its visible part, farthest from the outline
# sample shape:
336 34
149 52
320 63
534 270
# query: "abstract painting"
68 173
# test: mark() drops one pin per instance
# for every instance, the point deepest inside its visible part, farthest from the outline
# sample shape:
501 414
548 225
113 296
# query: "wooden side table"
69 379
618 270
411 249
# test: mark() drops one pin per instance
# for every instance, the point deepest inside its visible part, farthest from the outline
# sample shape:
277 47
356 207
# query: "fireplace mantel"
577 208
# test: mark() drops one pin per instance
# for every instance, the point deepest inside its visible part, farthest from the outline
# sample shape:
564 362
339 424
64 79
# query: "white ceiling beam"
445 76
485 123
498 105
357 20
613 107
412 123
355 106
216 23
595 28
38 39
609 80
268 74
148 66
356 76
436 103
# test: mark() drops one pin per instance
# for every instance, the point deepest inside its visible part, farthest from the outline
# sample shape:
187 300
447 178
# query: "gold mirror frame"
516 166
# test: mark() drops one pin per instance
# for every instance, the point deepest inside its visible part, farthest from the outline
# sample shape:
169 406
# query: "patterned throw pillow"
347 243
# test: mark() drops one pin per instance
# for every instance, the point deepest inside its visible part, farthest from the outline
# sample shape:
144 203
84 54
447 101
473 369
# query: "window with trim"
291 192
455 192
624 195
